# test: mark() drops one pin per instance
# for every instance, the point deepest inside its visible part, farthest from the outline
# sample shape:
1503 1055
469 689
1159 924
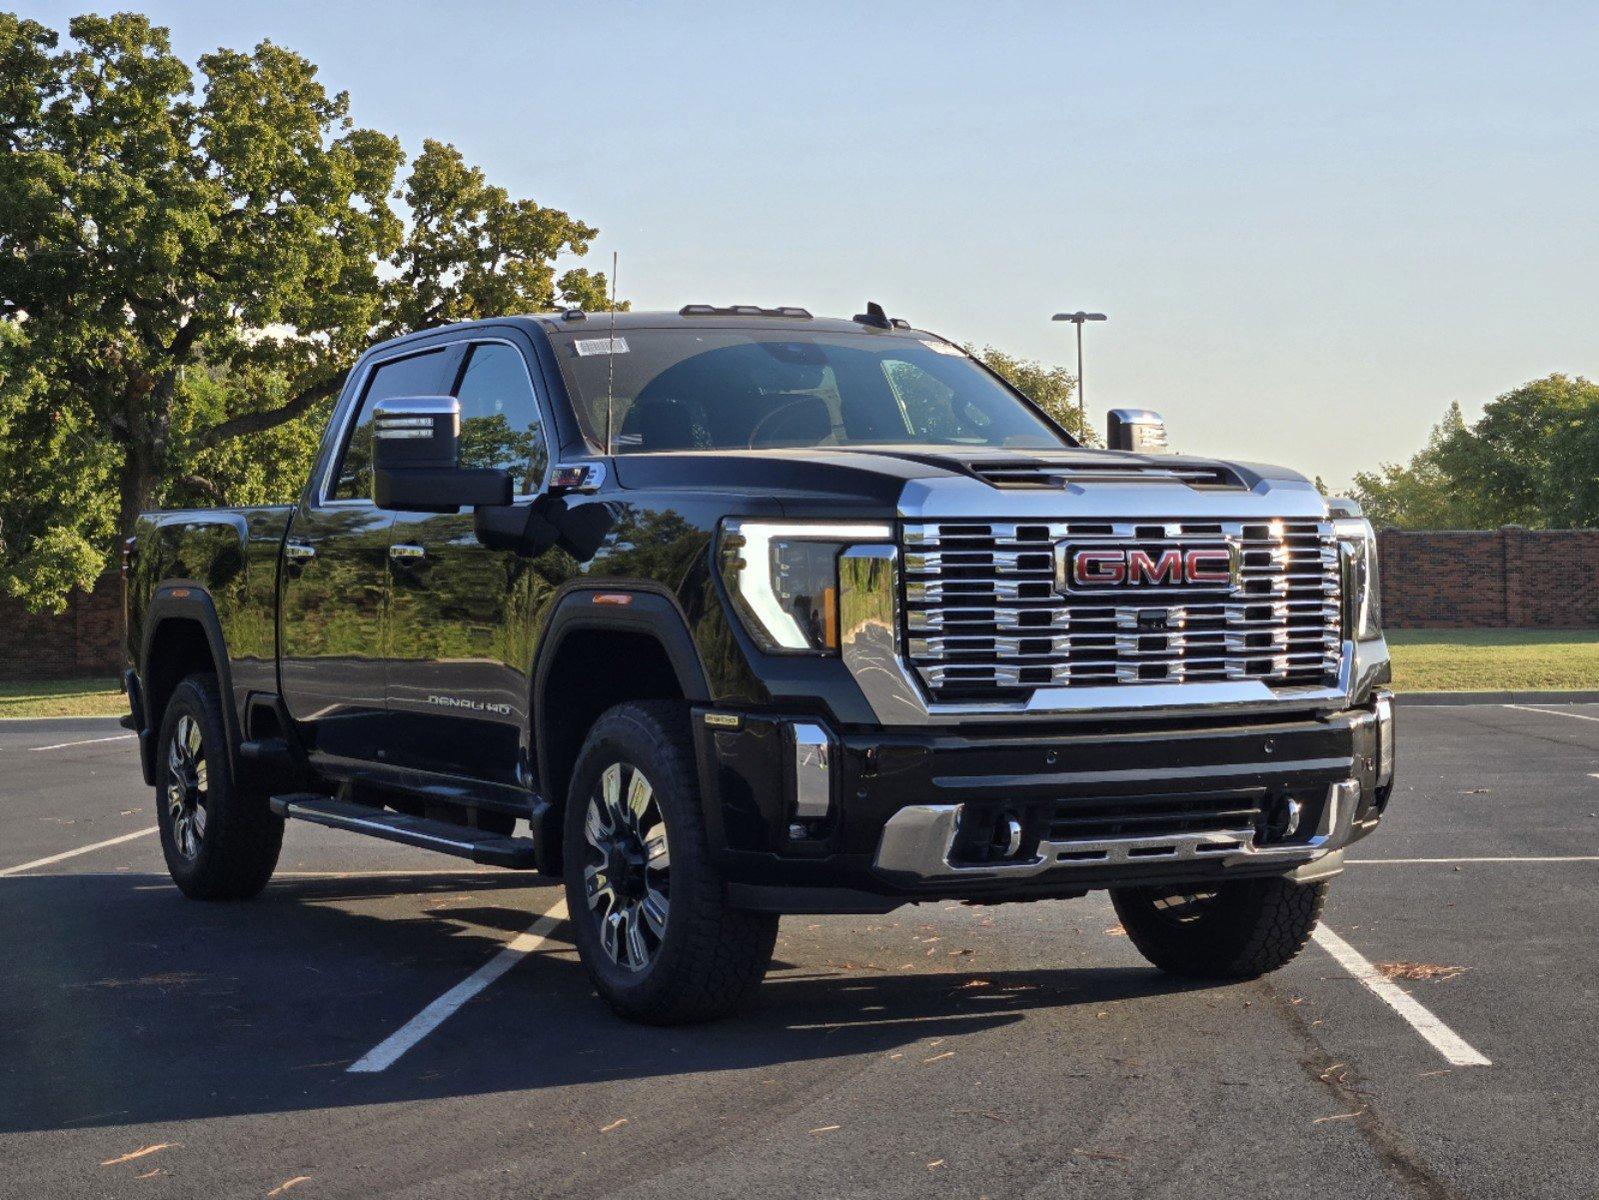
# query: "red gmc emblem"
1111 568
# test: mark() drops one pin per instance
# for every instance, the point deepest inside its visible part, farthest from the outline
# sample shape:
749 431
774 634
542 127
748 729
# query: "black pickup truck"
733 612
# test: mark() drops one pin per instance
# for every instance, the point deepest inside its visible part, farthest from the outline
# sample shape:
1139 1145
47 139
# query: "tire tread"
1257 927
243 837
722 954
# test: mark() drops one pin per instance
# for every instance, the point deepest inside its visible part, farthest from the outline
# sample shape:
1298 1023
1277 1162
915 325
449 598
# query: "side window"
417 375
500 416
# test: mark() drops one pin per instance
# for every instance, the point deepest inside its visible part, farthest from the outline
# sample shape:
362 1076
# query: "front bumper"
921 844
882 817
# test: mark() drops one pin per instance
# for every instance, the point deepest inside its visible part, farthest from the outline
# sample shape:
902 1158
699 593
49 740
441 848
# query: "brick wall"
85 640
1481 579
1431 579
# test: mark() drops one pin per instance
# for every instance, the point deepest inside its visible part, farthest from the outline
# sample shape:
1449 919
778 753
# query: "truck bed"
232 555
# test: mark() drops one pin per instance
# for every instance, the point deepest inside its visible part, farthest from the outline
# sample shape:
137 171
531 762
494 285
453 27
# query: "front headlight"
1357 560
783 578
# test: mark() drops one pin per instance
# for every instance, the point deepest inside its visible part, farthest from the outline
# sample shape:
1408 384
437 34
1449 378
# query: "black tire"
1235 930
704 960
230 850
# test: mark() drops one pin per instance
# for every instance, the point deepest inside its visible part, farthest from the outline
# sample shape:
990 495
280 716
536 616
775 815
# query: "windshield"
742 389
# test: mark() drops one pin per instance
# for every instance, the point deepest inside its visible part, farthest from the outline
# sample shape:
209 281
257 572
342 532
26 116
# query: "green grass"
1494 660
1425 660
63 698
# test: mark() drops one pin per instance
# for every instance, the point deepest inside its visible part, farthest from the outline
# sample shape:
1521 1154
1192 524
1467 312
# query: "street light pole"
1077 319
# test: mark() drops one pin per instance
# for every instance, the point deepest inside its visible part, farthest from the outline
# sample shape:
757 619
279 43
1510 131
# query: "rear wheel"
221 840
647 906
1225 931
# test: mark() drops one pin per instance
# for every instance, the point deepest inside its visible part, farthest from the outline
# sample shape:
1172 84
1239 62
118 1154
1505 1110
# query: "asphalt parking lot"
153 1046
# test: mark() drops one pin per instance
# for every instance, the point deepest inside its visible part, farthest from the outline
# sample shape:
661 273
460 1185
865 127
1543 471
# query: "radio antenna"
610 361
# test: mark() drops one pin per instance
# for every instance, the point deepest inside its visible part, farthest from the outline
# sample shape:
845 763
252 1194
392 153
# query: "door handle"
298 552
407 552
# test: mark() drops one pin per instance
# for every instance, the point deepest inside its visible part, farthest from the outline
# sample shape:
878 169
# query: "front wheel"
1236 930
650 919
221 840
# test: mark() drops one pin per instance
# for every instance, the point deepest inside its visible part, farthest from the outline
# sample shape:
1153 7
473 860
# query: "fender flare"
650 610
185 601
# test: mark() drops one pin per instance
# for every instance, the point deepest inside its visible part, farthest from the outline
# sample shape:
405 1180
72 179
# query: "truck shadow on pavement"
126 1004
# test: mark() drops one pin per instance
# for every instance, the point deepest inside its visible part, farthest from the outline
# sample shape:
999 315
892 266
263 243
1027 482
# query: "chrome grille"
984 617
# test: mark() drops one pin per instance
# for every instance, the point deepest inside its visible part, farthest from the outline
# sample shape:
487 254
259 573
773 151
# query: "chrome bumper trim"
1383 706
917 842
813 782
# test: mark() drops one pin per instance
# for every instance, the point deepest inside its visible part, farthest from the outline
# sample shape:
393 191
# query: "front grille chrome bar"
985 619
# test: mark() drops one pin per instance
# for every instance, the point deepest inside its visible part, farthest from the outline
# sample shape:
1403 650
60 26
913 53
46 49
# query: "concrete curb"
1444 699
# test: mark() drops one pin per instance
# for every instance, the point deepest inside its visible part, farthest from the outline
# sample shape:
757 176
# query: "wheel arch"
602 647
182 635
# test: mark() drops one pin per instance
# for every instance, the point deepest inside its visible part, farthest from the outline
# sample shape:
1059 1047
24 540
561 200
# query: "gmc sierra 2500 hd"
744 613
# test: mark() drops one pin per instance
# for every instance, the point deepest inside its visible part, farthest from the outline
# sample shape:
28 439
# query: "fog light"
1282 820
1007 836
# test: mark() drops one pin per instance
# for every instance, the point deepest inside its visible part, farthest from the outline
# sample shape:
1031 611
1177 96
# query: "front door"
333 613
461 638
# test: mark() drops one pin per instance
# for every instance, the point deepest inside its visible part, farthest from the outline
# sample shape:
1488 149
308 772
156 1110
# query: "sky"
1312 226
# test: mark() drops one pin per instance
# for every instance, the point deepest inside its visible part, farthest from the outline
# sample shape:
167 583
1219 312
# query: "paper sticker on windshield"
588 346
943 348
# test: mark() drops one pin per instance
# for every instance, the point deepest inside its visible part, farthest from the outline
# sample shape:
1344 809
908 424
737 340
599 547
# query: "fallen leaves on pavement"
1410 970
140 1153
161 979
1339 1116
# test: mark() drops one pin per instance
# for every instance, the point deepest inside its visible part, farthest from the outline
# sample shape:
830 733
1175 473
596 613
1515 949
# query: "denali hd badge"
1208 567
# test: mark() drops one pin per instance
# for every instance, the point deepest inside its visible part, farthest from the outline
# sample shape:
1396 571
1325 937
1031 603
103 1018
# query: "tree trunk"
136 482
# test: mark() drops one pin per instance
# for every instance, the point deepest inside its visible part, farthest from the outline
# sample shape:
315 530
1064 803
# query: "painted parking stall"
383 1019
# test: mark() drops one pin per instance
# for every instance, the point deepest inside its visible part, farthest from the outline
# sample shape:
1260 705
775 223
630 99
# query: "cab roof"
696 316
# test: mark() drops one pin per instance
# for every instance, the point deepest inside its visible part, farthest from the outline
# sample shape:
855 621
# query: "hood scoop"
1037 474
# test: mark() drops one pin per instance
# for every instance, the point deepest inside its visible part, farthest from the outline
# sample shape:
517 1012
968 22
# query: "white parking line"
1551 858
382 1056
66 854
1455 1049
1553 712
427 871
120 737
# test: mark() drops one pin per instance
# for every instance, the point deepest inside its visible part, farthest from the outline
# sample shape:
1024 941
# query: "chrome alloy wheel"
626 877
186 787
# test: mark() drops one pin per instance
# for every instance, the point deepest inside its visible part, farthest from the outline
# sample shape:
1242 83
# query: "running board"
489 849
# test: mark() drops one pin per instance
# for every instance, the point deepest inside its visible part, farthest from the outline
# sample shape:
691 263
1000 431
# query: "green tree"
1051 388
186 265
1529 460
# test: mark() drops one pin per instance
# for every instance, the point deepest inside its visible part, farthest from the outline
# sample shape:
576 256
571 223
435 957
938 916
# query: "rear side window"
416 375
500 415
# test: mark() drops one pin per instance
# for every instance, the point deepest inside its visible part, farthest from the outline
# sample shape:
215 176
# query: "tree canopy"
1529 460
189 265
1051 388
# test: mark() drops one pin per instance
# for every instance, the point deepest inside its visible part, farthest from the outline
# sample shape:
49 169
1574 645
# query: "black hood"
876 476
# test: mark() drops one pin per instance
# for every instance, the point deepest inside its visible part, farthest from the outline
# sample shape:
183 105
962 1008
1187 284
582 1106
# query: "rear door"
461 628
333 610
